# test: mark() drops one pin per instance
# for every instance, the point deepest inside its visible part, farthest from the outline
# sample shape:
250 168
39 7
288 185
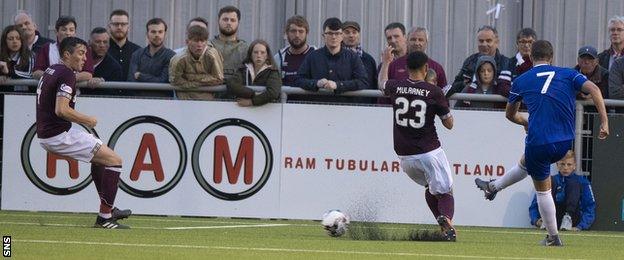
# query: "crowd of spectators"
341 65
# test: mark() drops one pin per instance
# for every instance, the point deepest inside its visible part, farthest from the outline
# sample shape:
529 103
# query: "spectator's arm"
83 76
464 75
162 78
304 75
359 78
272 91
534 211
587 206
616 80
236 85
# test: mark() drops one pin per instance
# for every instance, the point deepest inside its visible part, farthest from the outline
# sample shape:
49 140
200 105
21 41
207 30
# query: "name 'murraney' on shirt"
549 93
415 105
58 81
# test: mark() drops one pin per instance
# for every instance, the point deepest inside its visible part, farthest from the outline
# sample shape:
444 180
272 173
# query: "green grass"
44 235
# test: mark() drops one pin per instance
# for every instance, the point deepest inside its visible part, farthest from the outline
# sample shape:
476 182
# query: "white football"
335 222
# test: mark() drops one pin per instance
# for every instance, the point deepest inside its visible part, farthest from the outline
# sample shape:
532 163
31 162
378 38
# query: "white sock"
547 210
105 215
516 174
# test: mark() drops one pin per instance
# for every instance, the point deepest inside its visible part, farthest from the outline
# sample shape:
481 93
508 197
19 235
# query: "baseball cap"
352 24
588 50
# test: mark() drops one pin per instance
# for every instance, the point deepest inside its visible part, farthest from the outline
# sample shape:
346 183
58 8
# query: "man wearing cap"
588 66
352 42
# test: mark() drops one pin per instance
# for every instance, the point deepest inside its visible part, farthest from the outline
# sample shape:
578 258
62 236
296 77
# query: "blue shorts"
539 158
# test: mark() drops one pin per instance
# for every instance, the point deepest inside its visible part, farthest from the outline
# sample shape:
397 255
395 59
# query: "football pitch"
44 235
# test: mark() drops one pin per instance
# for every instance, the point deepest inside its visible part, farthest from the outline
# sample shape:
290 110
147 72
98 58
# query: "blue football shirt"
549 93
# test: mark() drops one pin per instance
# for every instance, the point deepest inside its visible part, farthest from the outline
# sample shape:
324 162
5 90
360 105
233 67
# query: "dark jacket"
345 68
468 69
269 77
616 79
605 56
600 77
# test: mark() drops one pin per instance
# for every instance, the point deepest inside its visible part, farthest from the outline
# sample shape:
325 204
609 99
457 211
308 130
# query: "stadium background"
452 24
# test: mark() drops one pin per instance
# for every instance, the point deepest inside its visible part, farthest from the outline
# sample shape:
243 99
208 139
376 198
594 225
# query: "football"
335 223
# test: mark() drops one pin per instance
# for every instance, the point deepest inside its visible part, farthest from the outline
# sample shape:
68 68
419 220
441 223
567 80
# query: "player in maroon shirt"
56 98
415 105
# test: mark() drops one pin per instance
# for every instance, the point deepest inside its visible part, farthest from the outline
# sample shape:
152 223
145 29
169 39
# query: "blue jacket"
587 205
345 68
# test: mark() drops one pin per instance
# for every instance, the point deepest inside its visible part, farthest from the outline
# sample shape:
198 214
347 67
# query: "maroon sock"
446 204
97 171
432 202
110 179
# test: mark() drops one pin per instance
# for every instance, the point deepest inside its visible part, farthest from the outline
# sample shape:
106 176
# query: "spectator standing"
332 67
120 47
227 42
200 64
290 58
487 39
49 54
258 70
616 37
16 59
105 67
151 64
522 61
34 40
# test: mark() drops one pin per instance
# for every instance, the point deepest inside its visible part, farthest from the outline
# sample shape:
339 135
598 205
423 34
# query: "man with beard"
151 64
227 42
289 58
35 41
106 68
120 47
487 40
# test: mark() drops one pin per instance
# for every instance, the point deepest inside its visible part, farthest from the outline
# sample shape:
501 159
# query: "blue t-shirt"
549 93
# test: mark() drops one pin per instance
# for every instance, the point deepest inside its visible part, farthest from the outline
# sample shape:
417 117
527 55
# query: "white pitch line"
269 249
232 226
155 219
139 227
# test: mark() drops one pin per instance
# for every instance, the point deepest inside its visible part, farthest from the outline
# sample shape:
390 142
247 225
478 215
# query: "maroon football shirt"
415 104
58 80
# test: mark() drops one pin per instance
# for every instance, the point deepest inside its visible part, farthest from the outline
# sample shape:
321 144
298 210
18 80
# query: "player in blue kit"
549 93
416 103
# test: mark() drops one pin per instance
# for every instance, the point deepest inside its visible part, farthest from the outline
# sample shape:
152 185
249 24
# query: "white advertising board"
280 160
161 142
482 144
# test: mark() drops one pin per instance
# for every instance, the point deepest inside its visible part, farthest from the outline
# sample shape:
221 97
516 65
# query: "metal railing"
287 90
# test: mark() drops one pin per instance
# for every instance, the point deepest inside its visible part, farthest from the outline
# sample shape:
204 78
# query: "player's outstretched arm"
511 112
64 111
591 88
